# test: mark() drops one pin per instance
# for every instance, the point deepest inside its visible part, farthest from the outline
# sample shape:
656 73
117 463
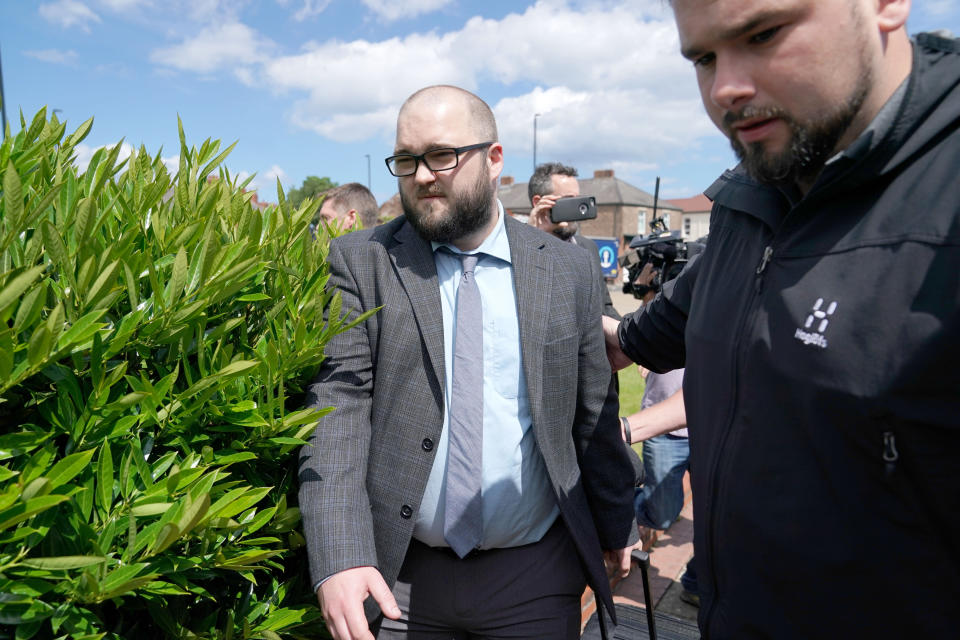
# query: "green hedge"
156 335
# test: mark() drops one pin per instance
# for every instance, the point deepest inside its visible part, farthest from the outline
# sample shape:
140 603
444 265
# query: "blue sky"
312 87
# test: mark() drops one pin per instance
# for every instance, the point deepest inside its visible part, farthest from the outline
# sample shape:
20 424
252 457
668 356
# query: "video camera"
664 250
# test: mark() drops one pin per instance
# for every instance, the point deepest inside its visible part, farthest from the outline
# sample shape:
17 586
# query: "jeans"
659 501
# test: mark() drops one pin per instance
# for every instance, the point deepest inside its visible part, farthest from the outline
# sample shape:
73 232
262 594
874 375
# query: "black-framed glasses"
406 164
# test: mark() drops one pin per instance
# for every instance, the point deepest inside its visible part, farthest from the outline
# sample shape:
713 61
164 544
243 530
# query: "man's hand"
646 275
618 359
617 562
540 213
341 599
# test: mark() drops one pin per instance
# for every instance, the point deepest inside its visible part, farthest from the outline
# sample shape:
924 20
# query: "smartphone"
574 209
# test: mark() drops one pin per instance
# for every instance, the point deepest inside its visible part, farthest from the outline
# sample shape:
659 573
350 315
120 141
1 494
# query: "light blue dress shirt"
518 501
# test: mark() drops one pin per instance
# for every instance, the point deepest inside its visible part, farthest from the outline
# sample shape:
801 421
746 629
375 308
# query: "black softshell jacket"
821 340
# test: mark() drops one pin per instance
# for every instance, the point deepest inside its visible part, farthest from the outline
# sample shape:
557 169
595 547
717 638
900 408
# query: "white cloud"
605 74
208 11
224 45
172 163
351 127
545 46
310 8
53 56
245 75
391 69
271 175
582 49
631 126
124 5
390 10
68 13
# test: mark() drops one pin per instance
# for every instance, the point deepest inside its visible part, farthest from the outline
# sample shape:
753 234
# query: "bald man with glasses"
472 476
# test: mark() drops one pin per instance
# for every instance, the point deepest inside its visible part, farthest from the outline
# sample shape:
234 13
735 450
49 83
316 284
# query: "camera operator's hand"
618 359
646 276
540 213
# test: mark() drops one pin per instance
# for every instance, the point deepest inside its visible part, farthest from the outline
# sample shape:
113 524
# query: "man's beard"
469 211
567 232
811 143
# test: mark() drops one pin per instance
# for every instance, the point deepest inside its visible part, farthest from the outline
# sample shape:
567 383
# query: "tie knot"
469 261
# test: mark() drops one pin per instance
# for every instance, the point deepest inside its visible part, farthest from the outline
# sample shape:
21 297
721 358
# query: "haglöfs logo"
816 324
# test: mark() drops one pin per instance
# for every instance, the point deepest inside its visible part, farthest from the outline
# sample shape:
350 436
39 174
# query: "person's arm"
608 476
335 507
657 419
653 335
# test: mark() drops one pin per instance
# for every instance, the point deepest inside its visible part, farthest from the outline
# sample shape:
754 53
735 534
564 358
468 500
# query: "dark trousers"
531 591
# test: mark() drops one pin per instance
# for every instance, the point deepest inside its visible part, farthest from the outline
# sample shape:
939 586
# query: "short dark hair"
354 195
541 182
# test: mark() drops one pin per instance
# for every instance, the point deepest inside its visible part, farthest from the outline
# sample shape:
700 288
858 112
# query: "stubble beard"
811 143
469 210
567 232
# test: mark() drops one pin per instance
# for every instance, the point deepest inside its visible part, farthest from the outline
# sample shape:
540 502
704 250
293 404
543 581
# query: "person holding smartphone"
549 183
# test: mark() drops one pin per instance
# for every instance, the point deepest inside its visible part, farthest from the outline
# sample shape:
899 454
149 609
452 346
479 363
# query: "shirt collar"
496 244
878 128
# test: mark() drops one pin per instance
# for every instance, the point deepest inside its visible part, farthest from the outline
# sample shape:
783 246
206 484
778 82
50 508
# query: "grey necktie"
463 511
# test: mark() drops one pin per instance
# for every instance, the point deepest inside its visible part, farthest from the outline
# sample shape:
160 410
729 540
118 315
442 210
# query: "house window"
641 222
666 219
687 226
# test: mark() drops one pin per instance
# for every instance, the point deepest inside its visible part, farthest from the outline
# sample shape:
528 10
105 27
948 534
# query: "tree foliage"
156 335
311 188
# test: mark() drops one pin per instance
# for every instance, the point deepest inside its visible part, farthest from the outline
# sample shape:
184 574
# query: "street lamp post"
535 116
368 171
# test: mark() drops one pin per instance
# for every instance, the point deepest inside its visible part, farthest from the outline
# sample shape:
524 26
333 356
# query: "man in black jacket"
820 328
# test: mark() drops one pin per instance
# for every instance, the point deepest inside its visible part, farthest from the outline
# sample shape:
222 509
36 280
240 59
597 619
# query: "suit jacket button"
406 511
427 444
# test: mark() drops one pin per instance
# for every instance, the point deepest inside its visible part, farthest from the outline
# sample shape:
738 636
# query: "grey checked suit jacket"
363 474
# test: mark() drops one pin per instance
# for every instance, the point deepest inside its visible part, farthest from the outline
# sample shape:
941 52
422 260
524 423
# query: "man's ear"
892 14
495 160
350 219
535 199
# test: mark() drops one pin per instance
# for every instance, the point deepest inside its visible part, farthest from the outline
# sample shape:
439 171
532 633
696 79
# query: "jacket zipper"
890 453
764 261
715 471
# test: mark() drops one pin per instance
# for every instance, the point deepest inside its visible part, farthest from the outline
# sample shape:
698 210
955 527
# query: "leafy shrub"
156 334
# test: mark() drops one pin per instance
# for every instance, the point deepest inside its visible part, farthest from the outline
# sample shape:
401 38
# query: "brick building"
696 215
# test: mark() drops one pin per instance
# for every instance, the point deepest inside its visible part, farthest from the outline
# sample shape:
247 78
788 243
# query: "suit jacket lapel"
413 260
532 277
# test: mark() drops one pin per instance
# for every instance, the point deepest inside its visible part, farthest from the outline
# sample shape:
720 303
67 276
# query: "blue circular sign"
607 257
